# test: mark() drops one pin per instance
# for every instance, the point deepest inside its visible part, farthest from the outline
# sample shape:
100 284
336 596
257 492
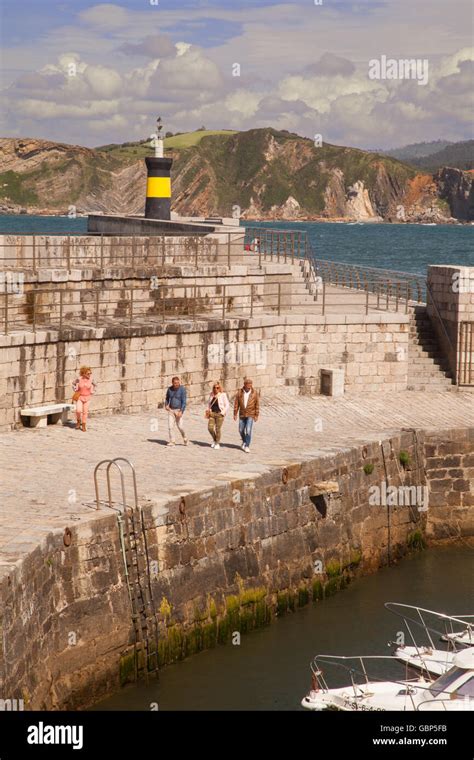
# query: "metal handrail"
110 463
359 278
165 302
69 251
465 369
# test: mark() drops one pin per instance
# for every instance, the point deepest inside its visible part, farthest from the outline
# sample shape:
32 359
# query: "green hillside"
190 139
417 150
267 173
241 169
458 156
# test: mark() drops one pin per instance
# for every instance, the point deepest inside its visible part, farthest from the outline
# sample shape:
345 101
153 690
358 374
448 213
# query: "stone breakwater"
221 560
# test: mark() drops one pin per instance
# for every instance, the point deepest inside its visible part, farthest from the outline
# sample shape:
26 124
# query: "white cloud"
243 101
320 92
304 68
103 82
44 109
106 17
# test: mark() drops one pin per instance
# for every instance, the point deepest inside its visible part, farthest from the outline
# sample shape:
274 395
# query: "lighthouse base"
139 225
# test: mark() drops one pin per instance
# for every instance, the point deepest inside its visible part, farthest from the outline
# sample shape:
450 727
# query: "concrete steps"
427 368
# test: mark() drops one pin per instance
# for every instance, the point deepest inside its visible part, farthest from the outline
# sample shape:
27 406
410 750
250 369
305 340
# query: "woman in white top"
217 408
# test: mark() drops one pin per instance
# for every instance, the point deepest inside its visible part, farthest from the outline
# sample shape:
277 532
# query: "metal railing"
33 253
466 354
283 245
255 245
97 307
159 300
386 283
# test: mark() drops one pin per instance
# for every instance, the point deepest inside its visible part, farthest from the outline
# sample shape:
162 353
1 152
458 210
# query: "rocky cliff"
457 188
261 173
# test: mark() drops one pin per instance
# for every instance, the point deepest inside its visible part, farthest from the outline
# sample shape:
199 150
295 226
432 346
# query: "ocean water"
405 247
270 668
24 224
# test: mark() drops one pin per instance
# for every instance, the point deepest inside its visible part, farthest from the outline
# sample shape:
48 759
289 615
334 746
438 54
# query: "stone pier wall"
449 462
29 252
450 302
225 559
90 297
132 366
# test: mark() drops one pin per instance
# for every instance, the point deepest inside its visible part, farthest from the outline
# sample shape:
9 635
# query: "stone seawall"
34 252
52 297
222 560
133 365
450 303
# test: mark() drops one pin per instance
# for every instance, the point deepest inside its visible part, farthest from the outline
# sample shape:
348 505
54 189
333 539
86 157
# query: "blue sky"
303 67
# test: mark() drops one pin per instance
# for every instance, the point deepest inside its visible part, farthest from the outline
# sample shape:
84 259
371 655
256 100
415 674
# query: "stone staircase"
427 367
301 290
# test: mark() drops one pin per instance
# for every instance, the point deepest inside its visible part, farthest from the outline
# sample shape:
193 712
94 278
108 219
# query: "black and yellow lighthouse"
158 184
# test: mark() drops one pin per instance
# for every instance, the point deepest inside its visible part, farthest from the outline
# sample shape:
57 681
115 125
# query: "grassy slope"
190 139
134 151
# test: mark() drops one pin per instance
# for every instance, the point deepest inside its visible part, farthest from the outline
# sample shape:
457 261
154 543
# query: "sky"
94 73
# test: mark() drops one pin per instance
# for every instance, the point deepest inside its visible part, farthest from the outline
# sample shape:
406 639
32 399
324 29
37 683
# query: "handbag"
76 396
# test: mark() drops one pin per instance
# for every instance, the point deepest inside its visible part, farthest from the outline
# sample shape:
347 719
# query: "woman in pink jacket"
217 408
85 387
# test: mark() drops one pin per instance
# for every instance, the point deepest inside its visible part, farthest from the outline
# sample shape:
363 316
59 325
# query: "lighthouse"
158 184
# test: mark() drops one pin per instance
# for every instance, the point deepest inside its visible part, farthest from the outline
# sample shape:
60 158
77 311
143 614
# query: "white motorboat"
454 690
464 637
428 658
435 661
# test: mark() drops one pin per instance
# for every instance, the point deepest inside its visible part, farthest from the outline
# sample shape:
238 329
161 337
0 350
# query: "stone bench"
38 416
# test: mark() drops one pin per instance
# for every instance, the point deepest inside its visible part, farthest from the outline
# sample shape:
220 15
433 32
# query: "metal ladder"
133 543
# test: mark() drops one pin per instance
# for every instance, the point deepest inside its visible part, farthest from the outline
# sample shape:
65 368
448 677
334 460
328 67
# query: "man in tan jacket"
247 406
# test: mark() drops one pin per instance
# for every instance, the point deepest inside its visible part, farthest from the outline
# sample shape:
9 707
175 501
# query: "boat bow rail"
457 630
448 689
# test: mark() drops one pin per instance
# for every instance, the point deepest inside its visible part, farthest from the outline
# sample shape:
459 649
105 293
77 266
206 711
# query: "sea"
270 668
403 247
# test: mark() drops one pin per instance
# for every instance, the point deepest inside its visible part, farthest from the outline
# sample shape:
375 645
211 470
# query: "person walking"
175 405
247 407
217 408
83 388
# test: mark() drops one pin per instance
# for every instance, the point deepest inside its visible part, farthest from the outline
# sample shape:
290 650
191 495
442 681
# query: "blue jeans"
245 429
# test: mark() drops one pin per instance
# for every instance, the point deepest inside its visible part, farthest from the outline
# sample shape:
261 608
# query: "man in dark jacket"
175 405
247 407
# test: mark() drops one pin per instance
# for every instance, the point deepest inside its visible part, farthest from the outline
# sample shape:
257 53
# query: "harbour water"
405 247
269 670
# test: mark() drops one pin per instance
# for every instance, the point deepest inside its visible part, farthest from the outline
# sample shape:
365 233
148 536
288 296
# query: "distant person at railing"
83 387
217 408
254 246
175 405
247 407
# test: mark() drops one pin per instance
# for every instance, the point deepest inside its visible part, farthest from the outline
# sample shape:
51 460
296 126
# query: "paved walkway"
46 479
